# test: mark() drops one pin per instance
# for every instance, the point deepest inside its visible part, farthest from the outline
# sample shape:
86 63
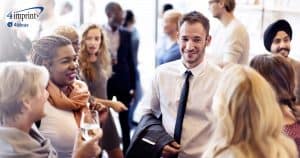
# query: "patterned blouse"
293 131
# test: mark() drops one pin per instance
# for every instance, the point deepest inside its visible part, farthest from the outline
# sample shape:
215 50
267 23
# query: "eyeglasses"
212 1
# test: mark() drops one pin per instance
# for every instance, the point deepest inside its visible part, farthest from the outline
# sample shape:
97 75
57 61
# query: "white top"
113 40
164 95
61 128
230 44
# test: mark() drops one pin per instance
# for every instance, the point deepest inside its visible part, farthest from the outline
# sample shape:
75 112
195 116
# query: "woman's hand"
118 106
101 108
87 149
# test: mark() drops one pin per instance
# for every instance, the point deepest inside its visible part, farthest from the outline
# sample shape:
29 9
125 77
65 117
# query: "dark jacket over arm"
149 139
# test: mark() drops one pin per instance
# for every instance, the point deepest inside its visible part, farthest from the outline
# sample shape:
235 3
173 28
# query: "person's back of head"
279 72
229 5
19 81
249 120
129 18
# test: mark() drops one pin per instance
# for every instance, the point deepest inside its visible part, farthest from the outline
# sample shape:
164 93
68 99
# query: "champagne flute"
89 124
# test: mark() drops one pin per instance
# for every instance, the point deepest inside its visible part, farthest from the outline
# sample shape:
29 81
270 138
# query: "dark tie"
181 108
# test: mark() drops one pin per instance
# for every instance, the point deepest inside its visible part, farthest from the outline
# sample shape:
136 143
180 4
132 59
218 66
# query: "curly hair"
103 55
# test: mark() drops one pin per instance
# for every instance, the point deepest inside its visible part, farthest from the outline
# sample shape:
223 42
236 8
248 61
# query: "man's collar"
196 70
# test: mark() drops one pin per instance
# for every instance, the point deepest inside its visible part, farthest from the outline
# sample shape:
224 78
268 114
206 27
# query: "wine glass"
89 124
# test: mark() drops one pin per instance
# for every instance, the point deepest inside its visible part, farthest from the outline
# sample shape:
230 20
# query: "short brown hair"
229 5
193 17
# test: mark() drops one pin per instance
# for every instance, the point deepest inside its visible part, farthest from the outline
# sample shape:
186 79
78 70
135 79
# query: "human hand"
170 149
101 108
87 149
118 106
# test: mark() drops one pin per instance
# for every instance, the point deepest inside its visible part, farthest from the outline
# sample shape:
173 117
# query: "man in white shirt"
164 95
230 44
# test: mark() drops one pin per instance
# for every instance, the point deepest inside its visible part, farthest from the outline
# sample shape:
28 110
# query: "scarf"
76 101
16 143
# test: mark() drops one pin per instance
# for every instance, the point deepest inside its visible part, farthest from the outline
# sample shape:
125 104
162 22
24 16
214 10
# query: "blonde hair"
249 120
67 31
18 81
103 55
174 16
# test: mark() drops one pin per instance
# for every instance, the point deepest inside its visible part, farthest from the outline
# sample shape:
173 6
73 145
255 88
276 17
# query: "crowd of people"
217 105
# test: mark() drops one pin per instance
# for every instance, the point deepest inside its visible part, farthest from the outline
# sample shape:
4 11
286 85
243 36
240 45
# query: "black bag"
149 139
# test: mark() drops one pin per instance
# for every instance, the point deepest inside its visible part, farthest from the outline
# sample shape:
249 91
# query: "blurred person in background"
230 44
129 24
122 82
166 7
48 19
168 49
71 33
14 45
95 69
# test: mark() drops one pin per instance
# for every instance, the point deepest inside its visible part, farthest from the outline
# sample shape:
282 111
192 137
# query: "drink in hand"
89 130
89 124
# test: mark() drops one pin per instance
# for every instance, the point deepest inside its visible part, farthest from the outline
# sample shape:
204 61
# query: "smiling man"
182 91
277 40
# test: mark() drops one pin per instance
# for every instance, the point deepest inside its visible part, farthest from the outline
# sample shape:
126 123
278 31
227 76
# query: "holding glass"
90 124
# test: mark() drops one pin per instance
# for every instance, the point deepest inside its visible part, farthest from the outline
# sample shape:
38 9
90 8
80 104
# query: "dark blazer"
123 78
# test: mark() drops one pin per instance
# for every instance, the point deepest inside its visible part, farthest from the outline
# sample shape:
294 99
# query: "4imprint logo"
21 18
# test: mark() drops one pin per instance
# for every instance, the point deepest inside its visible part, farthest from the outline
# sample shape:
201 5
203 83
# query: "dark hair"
193 17
167 6
111 6
46 48
129 18
229 5
279 72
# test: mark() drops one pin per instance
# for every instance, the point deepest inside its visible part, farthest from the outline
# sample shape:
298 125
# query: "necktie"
181 107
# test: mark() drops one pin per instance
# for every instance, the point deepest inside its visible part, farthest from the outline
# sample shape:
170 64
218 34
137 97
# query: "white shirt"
60 127
164 96
230 44
113 40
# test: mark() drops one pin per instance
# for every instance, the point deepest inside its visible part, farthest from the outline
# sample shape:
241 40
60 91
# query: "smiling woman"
68 96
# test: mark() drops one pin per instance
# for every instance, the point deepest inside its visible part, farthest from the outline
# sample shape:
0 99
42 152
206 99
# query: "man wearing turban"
277 40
